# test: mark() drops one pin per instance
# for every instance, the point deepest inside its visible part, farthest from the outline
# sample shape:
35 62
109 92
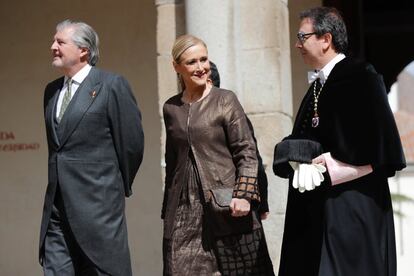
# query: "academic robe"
347 229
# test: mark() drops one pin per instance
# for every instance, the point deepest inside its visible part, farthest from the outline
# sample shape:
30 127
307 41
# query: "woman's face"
194 66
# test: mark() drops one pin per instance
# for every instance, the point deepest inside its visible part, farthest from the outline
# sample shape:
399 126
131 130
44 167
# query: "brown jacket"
216 131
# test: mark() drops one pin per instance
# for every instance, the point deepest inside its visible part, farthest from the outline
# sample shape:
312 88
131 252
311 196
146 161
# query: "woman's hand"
239 207
264 215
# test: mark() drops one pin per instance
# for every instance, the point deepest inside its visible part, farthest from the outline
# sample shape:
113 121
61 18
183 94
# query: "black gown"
347 229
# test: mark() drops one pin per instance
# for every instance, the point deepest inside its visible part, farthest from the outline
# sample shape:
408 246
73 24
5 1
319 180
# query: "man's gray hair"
84 36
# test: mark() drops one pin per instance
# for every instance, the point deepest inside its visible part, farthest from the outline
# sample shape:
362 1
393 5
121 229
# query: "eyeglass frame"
302 37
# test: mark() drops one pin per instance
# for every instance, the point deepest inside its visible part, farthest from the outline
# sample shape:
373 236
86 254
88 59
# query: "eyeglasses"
302 36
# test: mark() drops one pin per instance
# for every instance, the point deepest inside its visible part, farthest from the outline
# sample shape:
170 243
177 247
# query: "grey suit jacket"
94 155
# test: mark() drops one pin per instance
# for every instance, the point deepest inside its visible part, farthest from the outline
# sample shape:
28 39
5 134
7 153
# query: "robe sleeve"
291 149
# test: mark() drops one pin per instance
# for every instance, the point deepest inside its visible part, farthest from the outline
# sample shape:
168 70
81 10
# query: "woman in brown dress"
208 145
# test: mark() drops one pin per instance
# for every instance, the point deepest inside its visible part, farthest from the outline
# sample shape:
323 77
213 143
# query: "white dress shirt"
77 79
323 74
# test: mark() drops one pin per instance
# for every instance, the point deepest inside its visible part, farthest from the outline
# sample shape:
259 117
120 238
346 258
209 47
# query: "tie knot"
313 75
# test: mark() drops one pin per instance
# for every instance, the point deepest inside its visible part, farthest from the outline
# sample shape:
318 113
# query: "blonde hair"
182 43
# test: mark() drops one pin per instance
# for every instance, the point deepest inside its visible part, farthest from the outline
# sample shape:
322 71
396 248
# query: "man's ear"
84 53
327 40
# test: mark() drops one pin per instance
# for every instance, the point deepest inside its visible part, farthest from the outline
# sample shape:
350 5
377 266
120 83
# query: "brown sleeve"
242 147
247 188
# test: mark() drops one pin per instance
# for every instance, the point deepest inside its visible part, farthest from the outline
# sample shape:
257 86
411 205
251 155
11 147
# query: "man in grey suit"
95 142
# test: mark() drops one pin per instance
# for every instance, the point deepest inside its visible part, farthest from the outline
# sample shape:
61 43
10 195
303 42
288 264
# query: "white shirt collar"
326 70
77 79
323 74
81 74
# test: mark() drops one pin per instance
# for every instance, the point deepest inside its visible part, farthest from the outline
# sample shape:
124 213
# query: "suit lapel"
84 97
50 112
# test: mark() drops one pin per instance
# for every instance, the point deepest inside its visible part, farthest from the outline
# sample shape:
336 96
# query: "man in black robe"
339 222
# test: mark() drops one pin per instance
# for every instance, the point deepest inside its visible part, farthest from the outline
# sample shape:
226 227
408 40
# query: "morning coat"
94 155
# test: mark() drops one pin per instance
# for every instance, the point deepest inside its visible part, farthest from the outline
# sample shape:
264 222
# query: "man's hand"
340 172
239 207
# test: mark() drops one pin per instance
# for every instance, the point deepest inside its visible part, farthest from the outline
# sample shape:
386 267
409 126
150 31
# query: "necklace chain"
315 119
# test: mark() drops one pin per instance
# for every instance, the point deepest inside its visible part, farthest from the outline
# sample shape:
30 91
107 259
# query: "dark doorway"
380 32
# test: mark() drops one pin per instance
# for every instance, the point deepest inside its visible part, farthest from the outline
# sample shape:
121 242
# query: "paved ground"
404 226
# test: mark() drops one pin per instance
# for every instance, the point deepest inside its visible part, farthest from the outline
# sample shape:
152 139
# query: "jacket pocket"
225 177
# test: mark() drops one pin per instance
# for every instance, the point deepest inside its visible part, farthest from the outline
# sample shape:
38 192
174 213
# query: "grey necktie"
66 99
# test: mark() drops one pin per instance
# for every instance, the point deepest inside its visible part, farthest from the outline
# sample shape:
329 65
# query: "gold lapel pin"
93 94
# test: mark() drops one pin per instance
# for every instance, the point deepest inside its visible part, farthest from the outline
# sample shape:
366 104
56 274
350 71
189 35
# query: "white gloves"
307 176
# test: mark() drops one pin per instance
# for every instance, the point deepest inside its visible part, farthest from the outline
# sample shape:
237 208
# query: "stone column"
249 42
170 24
213 22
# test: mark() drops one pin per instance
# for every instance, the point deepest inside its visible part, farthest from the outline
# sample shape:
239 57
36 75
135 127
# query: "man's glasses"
302 36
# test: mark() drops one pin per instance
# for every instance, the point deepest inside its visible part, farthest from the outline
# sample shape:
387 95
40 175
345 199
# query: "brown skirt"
192 249
244 254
